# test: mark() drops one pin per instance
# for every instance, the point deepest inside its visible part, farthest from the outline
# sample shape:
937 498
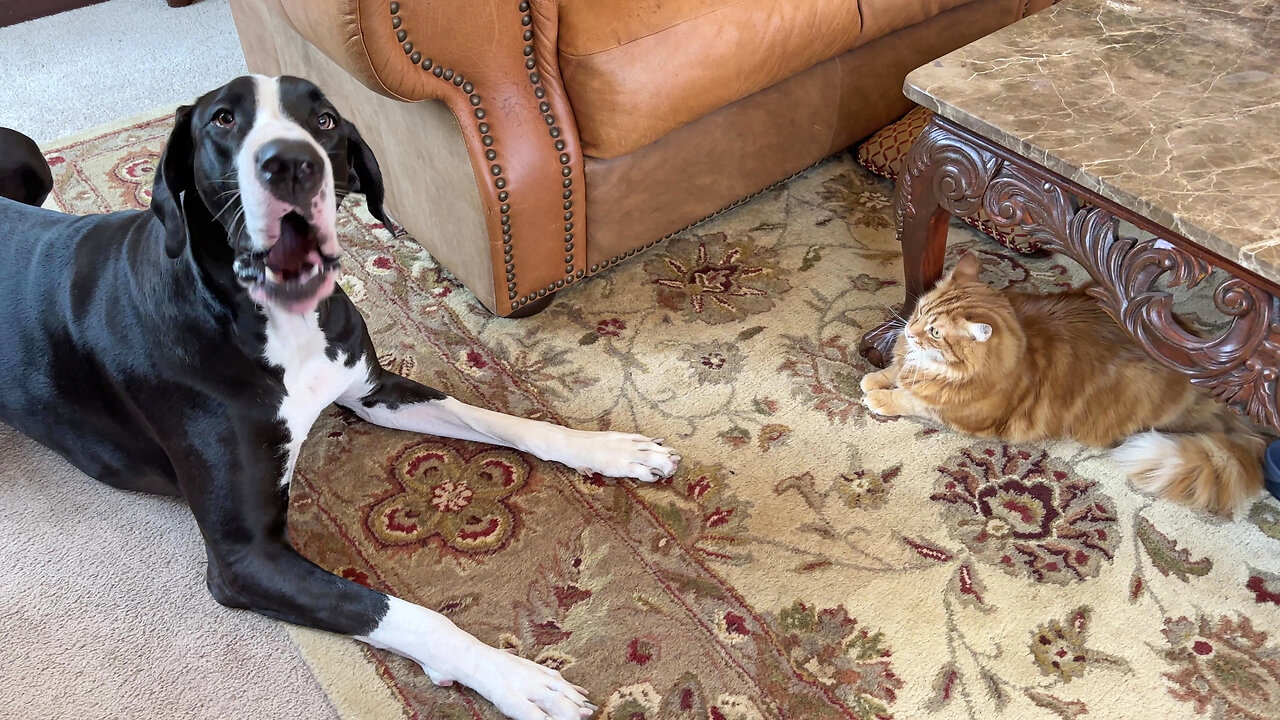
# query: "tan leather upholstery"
711 100
431 186
881 17
638 70
513 115
749 145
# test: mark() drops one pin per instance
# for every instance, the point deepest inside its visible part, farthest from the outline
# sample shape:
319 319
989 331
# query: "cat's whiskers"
911 362
898 320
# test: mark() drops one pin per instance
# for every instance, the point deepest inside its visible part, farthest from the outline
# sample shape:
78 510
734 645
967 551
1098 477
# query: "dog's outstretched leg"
397 402
241 514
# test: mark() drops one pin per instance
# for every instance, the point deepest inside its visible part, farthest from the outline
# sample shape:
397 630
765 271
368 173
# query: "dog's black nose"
290 169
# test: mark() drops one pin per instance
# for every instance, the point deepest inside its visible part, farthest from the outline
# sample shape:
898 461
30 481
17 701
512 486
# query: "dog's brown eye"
327 121
224 118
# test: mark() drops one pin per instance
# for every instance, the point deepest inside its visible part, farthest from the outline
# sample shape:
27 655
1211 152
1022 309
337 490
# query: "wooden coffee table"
1161 113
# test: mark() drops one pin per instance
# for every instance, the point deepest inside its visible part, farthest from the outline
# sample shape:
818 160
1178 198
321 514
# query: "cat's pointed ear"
980 331
967 269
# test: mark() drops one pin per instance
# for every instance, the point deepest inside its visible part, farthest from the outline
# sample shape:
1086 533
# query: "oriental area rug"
807 561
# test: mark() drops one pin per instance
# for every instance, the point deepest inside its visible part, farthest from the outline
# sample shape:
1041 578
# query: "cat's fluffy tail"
1214 471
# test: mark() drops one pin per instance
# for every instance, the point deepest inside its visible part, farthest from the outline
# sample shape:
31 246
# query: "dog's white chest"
312 381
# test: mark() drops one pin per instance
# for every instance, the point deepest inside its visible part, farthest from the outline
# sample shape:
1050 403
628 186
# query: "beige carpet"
808 561
82 68
104 613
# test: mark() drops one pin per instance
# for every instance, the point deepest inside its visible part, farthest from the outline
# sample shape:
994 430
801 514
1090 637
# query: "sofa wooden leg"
533 308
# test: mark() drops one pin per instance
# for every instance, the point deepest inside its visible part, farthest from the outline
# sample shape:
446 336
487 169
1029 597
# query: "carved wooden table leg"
937 180
950 170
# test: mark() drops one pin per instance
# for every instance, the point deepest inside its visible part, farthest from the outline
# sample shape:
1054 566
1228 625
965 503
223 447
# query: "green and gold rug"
808 561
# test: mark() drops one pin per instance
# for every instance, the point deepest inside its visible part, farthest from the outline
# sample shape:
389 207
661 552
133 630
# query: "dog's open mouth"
294 270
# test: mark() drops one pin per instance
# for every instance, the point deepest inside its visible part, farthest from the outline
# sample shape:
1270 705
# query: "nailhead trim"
540 92
499 181
456 78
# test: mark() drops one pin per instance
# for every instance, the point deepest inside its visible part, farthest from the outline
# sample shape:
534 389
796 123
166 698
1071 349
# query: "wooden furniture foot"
877 345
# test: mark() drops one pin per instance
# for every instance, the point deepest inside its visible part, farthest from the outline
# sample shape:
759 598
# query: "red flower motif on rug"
136 173
1027 515
712 279
832 649
1224 667
460 501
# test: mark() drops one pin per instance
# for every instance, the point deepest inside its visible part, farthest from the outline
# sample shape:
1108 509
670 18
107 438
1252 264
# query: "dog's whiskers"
232 232
230 203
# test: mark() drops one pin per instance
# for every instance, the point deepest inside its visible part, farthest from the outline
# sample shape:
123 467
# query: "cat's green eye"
935 333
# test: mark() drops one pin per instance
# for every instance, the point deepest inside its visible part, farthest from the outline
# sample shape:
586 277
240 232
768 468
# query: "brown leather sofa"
528 144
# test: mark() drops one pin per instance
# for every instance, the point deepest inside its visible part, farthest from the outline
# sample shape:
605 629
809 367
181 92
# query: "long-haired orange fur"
1024 368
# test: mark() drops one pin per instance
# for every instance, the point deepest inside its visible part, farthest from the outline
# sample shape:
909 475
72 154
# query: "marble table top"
1170 108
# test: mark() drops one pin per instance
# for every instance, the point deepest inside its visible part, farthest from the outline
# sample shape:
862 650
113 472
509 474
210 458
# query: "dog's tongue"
295 244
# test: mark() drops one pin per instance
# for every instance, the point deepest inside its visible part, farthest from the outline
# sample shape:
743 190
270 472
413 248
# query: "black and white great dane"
188 350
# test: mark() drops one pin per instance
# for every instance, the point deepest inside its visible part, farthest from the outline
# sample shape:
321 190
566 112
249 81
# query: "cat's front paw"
879 380
881 402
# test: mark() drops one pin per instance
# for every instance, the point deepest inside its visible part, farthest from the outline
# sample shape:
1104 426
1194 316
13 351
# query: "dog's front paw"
620 455
524 690
881 402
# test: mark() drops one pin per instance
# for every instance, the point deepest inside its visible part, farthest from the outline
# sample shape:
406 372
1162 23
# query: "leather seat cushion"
881 17
635 70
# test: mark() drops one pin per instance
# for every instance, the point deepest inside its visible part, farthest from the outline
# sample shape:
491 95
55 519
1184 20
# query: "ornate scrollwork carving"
1239 365
957 174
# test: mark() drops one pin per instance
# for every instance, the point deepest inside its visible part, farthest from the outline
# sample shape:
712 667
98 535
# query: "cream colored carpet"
807 562
84 68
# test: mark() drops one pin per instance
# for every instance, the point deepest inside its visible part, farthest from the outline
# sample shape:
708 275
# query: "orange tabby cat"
1025 368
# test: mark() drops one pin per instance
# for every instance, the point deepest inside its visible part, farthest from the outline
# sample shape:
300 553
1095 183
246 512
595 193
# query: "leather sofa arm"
494 63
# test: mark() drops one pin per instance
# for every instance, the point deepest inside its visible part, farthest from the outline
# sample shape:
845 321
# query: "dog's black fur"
24 175
130 348
177 351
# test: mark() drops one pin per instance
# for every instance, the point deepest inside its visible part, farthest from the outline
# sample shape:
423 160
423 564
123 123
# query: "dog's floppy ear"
174 176
364 175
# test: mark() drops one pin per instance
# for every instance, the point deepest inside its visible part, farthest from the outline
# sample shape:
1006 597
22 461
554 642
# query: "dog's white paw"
524 690
615 454
519 688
